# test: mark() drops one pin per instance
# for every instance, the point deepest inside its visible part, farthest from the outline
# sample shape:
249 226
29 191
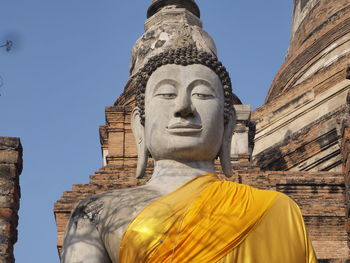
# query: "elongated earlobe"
225 150
142 151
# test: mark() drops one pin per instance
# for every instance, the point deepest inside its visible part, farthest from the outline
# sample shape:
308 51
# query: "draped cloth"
213 220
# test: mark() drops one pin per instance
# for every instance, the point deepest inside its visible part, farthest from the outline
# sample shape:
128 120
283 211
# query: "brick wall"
10 169
321 197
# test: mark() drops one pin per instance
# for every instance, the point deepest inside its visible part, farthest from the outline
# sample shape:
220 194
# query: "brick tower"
299 129
303 125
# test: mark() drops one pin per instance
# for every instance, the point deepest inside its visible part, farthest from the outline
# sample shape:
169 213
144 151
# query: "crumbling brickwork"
10 169
298 126
345 150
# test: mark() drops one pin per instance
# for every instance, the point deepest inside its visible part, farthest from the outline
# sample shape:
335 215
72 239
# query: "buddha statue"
184 119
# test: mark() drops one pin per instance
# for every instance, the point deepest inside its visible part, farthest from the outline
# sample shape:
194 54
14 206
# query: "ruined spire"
190 5
170 24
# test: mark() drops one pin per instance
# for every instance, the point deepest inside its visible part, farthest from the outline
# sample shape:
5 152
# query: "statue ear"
225 150
139 133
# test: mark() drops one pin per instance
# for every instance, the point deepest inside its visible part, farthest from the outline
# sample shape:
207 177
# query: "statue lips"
184 128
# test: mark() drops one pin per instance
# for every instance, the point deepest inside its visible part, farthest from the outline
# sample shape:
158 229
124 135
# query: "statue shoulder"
82 233
97 223
89 208
98 208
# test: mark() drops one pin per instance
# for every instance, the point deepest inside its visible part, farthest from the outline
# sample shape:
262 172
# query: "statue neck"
169 174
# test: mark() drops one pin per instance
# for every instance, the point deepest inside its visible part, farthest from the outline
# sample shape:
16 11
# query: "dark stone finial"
190 5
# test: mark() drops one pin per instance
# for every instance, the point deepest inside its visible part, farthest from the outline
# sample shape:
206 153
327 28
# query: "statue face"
184 117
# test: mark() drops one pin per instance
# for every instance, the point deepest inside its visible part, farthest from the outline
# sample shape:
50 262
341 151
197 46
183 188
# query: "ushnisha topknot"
184 56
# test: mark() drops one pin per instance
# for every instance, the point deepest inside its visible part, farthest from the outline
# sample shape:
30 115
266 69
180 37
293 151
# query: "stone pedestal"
243 137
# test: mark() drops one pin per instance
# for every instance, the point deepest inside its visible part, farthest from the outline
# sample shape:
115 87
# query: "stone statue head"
184 109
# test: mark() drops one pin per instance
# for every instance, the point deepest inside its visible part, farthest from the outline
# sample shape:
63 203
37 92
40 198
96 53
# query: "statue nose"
184 107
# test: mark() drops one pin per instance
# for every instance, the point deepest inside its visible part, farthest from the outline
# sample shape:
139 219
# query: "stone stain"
303 3
89 208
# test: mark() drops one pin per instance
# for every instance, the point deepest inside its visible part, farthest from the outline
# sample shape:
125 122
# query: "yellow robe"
213 220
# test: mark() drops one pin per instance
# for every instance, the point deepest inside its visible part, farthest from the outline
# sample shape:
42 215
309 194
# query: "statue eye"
167 92
202 92
202 96
167 96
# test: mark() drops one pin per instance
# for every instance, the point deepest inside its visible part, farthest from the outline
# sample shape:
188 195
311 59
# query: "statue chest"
119 213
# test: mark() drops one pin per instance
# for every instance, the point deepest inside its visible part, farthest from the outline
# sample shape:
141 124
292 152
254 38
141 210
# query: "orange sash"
202 221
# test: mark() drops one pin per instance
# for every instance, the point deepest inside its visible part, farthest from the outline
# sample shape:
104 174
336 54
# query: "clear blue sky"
71 59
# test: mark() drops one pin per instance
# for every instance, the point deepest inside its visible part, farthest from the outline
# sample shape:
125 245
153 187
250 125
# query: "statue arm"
82 242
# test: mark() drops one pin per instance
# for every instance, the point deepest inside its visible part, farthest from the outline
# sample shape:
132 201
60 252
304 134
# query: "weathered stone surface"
298 128
9 157
315 30
314 147
167 29
157 5
10 169
10 143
